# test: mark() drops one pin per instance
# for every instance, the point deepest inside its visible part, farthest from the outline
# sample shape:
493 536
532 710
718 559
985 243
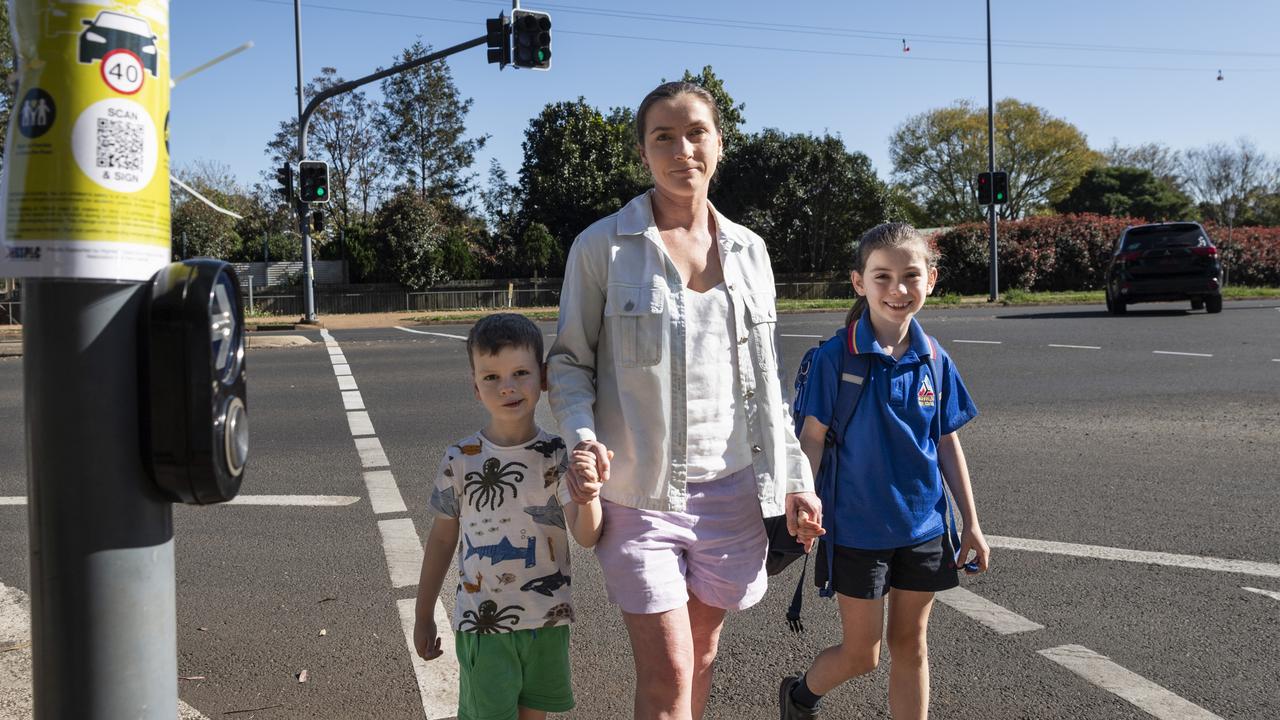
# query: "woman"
665 372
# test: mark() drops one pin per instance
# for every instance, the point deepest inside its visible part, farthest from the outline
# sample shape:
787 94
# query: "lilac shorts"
715 549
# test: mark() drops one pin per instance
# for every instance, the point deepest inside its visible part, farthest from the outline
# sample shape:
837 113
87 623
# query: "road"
1125 468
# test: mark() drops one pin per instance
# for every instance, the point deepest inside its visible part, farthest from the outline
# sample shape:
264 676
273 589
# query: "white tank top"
716 418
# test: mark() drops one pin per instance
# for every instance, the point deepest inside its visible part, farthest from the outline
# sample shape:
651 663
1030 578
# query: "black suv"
1165 261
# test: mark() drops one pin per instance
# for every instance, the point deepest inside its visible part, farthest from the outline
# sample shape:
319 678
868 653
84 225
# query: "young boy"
501 490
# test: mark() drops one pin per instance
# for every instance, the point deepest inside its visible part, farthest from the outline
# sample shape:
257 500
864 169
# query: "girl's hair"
670 90
887 235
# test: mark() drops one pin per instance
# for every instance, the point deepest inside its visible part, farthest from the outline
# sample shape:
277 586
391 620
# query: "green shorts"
500 672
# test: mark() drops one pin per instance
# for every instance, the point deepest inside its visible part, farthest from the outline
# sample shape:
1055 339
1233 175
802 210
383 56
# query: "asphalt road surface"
1125 469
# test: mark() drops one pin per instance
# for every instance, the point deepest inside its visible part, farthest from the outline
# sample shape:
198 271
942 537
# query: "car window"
116 21
1164 238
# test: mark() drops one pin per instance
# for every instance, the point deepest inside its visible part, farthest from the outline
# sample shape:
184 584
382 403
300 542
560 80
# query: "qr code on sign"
119 144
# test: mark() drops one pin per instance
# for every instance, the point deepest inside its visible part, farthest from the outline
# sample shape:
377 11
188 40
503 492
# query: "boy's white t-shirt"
513 549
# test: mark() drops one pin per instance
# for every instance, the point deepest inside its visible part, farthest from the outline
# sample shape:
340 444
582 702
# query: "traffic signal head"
313 181
532 43
1000 188
984 188
498 40
284 181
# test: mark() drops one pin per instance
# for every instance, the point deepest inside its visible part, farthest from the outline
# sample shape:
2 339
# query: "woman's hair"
887 236
674 89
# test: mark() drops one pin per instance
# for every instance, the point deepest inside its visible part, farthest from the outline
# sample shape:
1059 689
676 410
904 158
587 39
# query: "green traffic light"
320 191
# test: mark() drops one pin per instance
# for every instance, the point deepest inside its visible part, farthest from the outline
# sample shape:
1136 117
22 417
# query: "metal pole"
308 297
991 165
103 617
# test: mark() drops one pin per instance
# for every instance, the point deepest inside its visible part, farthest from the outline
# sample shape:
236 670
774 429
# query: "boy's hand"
588 470
425 640
972 540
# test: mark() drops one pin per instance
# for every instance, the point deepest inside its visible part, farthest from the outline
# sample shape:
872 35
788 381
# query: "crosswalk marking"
1268 593
438 679
436 334
360 423
1002 620
371 454
1137 690
403 550
384 496
351 399
1242 567
297 500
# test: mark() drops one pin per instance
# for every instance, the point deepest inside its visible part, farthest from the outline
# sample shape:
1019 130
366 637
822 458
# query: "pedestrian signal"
313 181
1000 187
498 40
532 42
284 181
984 188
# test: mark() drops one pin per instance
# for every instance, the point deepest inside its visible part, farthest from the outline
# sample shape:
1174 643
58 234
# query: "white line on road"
1002 620
351 399
403 549
347 382
438 679
371 454
295 500
1275 359
341 369
804 336
1240 567
13 500
334 348
424 332
360 423
1269 593
1183 354
980 342
1076 347
1146 695
338 359
384 495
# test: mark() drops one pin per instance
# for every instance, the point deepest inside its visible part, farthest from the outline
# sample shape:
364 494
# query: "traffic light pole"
991 166
304 120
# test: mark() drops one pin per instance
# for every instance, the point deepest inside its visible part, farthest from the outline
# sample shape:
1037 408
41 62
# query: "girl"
889 510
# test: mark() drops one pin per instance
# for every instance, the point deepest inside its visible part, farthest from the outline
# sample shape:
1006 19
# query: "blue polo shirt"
889 490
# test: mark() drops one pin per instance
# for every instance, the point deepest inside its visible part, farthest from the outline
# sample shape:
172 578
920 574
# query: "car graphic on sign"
116 31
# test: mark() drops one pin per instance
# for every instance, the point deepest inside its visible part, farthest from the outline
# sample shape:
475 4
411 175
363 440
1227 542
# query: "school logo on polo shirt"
925 394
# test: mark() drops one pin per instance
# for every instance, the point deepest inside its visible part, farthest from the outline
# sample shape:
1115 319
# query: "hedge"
1070 252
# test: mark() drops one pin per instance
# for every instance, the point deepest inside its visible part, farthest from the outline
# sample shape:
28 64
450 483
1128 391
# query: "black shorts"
869 574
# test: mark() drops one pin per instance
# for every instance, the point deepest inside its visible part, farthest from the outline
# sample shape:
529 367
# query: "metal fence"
384 301
10 311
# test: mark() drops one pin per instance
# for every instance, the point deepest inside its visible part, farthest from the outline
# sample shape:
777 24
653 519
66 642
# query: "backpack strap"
953 529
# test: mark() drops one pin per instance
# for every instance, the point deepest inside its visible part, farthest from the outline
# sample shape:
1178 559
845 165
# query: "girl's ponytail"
855 312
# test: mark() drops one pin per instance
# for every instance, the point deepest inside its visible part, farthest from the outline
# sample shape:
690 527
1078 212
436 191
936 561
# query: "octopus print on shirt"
513 554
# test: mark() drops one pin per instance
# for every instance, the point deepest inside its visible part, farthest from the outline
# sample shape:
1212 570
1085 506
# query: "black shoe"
789 709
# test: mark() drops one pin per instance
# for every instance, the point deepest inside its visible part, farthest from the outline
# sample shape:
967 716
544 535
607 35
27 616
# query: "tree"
807 196
578 167
423 122
940 152
1228 180
1159 160
7 66
198 229
412 236
1126 192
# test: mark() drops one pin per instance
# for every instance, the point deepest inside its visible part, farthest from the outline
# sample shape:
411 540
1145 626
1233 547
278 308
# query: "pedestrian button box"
195 412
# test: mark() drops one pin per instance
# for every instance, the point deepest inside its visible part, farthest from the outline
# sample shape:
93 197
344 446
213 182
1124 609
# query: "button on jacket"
617 367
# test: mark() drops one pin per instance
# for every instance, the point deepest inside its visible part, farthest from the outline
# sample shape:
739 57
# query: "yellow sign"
86 167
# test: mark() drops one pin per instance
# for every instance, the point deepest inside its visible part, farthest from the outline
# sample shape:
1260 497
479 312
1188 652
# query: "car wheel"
1213 304
1197 303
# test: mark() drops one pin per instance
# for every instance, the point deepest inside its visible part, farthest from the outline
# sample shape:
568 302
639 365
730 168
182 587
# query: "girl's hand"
973 541
804 518
807 531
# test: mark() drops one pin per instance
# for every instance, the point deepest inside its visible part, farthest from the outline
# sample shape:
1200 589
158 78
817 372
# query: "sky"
1133 71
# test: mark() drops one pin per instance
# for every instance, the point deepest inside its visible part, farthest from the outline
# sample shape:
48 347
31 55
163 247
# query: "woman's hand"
584 486
804 518
973 541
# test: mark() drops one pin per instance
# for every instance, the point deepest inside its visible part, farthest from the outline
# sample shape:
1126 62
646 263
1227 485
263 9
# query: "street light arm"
314 104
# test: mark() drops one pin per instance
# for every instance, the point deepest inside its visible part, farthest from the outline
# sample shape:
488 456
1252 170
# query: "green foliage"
540 251
362 247
807 196
939 153
411 233
1127 191
578 167
6 66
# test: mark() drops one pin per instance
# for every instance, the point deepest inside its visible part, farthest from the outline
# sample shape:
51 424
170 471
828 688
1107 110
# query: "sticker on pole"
85 191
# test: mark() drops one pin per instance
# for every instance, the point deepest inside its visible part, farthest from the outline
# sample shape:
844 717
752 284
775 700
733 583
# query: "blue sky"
1133 70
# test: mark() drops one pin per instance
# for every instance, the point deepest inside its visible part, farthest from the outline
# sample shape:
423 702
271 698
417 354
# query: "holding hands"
804 518
588 470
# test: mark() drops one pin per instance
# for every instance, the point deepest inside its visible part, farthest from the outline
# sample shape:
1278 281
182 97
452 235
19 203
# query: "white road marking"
15 663
438 679
384 495
1275 359
334 348
424 332
338 359
341 369
1137 690
360 423
347 382
1002 620
1183 354
980 342
351 399
403 550
13 500
1239 567
1076 347
295 500
804 336
371 454
1269 593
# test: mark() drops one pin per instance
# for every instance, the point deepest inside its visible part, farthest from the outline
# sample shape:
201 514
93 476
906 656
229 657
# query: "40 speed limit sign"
122 71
